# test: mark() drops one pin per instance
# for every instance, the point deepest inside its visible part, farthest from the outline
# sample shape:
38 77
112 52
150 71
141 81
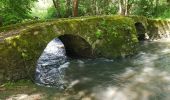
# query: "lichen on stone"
108 36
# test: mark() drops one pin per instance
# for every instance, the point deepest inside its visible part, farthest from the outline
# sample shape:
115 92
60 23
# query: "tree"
13 11
125 6
68 8
120 7
57 7
156 7
75 8
94 7
168 1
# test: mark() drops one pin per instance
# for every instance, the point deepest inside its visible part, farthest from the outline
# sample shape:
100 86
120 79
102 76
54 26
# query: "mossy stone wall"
109 36
158 29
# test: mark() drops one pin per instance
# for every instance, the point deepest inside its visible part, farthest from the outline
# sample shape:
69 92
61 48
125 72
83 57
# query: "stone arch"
76 46
141 31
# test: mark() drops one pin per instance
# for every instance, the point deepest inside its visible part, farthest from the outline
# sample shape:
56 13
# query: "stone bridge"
84 37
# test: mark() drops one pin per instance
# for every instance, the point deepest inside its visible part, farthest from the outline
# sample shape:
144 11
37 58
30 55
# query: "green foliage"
166 14
151 8
19 53
98 33
13 11
51 13
48 12
97 7
10 85
163 12
10 19
144 8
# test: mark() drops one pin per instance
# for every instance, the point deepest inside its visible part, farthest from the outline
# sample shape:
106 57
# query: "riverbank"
27 90
145 75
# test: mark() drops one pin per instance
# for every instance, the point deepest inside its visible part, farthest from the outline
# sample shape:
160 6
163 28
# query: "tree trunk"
57 7
122 7
75 8
94 7
126 8
168 1
97 8
156 7
68 8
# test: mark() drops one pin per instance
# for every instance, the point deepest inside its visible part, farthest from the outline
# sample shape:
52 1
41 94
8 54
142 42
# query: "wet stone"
51 65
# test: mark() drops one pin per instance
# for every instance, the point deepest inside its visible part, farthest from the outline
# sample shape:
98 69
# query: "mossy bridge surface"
85 37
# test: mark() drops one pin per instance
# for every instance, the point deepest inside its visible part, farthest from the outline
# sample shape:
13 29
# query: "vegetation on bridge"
108 27
109 36
18 11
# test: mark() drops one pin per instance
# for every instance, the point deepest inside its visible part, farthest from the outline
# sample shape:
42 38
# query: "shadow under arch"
141 31
76 46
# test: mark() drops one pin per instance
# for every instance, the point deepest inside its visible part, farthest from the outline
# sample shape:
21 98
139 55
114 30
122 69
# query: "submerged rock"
51 65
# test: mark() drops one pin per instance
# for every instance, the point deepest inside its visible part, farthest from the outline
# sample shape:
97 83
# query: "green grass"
27 87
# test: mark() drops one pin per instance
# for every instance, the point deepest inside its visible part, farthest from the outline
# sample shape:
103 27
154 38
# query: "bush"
144 8
51 13
164 12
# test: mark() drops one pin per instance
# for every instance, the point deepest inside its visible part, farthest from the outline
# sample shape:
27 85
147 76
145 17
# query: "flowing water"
145 76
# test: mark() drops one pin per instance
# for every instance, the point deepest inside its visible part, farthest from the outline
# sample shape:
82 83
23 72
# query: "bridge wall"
158 29
109 37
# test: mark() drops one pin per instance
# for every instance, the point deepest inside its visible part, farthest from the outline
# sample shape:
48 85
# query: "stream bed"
144 76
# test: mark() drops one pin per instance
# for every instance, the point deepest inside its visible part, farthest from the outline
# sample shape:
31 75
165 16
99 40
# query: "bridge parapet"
106 36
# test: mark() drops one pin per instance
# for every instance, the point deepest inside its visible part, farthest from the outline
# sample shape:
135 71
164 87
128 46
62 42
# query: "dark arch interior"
140 31
76 46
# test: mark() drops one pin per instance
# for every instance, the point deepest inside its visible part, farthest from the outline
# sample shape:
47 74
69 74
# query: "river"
144 76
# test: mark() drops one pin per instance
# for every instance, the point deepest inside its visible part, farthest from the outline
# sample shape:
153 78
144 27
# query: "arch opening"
141 31
76 46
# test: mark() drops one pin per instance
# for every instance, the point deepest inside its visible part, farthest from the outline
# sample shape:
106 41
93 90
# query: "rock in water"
51 65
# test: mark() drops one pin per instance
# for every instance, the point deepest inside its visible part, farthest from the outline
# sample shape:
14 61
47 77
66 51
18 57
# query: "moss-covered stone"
140 19
109 36
158 29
